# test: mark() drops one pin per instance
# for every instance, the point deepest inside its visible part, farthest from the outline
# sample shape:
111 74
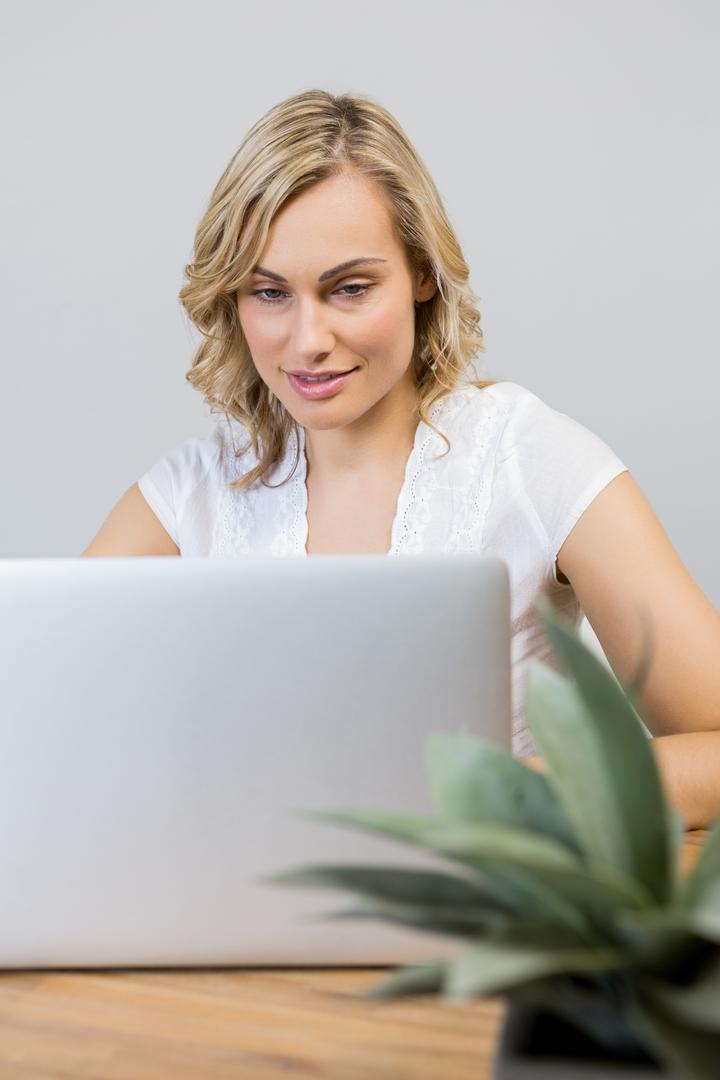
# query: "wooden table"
241 1023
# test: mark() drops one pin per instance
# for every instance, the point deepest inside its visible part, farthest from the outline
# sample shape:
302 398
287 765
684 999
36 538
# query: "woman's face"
300 312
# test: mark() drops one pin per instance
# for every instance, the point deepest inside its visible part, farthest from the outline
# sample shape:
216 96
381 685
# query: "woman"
339 328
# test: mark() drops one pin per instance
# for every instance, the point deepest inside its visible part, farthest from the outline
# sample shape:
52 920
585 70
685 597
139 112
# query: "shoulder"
177 472
198 453
191 460
503 415
536 431
548 463
518 402
509 401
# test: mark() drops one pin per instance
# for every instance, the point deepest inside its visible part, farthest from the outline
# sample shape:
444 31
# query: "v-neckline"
400 502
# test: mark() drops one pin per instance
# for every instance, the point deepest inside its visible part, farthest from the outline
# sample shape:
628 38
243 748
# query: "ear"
425 286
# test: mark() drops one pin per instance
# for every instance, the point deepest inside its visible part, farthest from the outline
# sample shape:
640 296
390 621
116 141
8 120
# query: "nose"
312 332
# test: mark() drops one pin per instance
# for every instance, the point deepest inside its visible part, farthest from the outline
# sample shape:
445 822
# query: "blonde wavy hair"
299 142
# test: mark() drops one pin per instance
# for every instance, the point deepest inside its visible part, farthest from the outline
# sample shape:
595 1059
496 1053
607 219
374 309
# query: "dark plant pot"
536 1044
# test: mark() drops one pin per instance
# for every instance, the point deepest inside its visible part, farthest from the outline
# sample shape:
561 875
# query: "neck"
370 446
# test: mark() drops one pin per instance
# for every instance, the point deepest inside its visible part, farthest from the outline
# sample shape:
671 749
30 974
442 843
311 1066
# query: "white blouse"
517 478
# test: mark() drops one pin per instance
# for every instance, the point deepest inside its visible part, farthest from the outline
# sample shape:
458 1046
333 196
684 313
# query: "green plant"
565 884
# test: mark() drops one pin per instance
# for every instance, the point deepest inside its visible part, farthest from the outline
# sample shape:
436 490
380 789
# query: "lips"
317 389
318 374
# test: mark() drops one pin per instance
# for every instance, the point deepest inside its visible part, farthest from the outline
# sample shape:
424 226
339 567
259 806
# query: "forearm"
689 766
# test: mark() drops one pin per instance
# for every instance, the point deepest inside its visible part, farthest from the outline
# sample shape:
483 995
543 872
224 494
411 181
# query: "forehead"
336 219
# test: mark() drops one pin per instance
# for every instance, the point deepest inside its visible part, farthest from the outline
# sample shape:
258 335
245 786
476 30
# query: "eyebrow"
362 261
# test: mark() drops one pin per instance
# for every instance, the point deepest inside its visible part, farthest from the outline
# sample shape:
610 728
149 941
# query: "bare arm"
131 528
619 559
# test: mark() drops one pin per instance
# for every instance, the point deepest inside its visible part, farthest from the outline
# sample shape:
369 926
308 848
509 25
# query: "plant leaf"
662 941
494 883
419 979
592 886
600 761
469 923
490 967
451 924
676 841
695 1004
705 915
706 871
701 921
472 779
517 890
690 1051
550 881
421 887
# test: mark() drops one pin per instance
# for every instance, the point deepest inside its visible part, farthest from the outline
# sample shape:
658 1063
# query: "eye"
276 300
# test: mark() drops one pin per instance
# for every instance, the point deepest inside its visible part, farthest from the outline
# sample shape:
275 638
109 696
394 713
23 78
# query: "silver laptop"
162 720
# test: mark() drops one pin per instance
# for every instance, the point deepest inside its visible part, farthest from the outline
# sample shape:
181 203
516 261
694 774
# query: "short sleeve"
562 464
169 482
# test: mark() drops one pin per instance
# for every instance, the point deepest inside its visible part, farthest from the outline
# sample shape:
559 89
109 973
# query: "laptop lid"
163 719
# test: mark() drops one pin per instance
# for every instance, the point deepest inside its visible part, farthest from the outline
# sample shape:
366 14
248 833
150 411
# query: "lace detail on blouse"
291 521
441 506
449 484
235 513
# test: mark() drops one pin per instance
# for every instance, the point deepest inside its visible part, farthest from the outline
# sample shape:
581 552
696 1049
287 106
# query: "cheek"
246 321
258 331
385 327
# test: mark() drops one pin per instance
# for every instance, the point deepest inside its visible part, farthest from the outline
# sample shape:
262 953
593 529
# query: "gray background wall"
575 145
